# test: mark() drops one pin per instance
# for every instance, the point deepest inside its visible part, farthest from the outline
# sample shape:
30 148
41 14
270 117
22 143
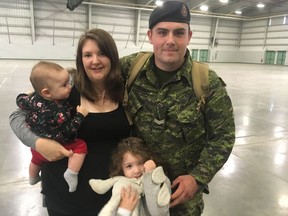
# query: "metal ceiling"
216 8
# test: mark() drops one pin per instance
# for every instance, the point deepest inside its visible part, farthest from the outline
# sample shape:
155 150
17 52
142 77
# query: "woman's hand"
51 149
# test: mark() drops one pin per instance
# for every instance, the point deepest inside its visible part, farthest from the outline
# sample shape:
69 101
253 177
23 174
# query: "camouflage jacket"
187 140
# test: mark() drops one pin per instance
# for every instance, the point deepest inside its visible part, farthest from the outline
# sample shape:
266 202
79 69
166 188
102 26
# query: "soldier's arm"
220 128
126 62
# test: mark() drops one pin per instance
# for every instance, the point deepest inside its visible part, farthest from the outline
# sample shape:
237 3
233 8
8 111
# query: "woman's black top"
102 132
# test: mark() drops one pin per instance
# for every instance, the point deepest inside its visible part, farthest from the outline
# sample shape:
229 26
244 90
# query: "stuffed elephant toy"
153 187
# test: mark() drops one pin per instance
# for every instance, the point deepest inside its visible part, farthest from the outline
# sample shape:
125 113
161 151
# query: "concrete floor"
254 181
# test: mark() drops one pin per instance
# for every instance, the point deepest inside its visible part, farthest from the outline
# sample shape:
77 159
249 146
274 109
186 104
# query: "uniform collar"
184 71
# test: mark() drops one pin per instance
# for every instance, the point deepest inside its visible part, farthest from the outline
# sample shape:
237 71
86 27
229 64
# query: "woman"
98 87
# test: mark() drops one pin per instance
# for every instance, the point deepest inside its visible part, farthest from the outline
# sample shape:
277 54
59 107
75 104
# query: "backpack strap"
135 68
200 79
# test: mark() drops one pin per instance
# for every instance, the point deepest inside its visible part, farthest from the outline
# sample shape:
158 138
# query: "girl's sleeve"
18 126
123 212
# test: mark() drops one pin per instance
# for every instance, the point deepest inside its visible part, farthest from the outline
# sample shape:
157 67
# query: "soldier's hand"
186 190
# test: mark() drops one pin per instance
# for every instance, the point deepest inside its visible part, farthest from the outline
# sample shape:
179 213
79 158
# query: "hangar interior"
248 51
49 30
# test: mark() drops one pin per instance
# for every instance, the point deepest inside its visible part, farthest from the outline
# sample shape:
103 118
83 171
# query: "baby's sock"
71 178
34 180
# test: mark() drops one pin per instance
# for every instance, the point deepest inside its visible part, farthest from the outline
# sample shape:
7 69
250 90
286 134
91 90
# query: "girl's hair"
71 71
135 146
114 82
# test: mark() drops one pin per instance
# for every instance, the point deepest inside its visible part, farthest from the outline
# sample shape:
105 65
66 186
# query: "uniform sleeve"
126 62
220 127
18 126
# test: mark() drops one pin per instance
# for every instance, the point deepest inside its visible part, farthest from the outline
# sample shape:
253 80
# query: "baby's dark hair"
135 146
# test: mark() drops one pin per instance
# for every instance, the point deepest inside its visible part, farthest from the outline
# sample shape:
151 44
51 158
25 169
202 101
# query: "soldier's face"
169 40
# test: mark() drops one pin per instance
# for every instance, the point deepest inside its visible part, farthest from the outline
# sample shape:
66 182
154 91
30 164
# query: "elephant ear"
102 186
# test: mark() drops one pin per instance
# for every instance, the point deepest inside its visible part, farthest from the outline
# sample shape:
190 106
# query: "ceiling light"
204 8
159 3
238 12
260 5
224 1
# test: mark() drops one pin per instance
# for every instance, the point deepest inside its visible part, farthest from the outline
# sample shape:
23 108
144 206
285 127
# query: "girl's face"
132 165
96 64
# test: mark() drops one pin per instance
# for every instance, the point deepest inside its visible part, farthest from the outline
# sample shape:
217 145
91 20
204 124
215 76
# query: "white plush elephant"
153 186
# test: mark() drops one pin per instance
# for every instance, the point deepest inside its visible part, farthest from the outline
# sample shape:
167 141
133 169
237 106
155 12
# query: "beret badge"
184 11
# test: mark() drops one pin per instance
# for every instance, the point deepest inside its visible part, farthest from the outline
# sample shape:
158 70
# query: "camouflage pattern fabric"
186 140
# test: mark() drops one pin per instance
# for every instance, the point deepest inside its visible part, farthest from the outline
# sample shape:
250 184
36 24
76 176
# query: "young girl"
132 164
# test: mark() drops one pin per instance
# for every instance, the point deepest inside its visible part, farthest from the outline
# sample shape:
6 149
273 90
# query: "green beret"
170 11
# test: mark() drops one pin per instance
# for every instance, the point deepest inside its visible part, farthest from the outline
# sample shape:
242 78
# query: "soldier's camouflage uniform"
188 140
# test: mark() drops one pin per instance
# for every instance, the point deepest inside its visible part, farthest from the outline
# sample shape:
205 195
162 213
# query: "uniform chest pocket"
134 104
191 123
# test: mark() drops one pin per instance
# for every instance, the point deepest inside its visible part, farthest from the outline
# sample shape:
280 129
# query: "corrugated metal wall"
50 23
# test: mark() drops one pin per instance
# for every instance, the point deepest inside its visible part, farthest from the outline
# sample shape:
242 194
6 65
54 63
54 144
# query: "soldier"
193 143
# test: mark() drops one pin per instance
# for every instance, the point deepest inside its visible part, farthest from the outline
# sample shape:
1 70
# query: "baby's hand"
82 110
29 92
149 165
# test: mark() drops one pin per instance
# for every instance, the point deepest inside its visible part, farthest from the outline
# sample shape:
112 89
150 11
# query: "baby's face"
132 166
59 85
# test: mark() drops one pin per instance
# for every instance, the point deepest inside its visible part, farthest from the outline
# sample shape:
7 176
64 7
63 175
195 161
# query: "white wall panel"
17 30
253 30
57 30
276 41
280 35
254 24
253 36
251 42
195 41
20 39
277 21
278 28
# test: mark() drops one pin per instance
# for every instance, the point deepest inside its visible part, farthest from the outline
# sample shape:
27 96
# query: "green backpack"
200 79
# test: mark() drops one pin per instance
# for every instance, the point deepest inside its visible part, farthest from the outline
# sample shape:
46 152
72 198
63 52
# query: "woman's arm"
18 126
50 149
